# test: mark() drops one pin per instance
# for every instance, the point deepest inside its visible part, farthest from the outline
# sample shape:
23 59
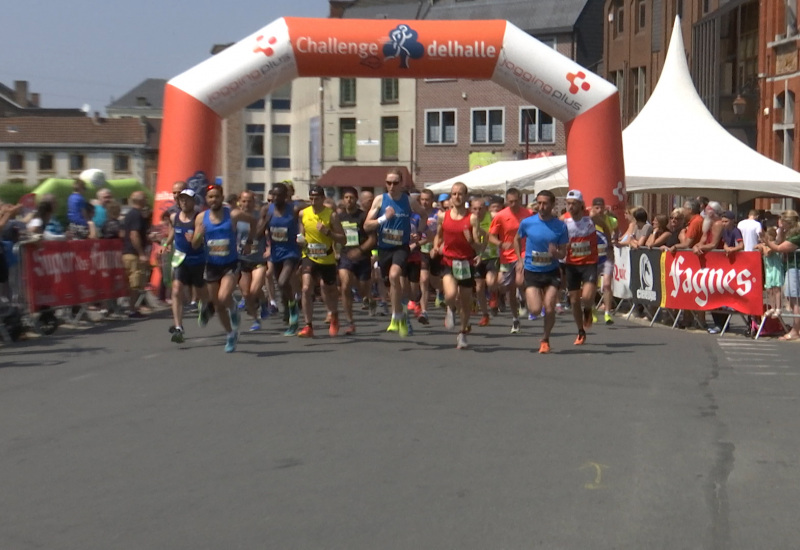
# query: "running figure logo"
403 44
574 78
266 50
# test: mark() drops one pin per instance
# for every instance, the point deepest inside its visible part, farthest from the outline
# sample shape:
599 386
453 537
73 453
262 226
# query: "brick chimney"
21 92
35 100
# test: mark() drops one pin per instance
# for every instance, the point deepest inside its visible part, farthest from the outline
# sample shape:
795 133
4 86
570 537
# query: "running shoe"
402 327
412 307
294 313
559 308
594 315
493 300
532 317
714 330
230 342
544 346
484 322
410 327
438 302
609 319
373 307
394 325
461 341
581 339
192 307
523 311
242 304
365 304
587 319
350 330
236 319
307 332
291 331
328 318
449 319
333 329
273 308
423 318
202 315
384 309
177 335
255 326
515 326
264 312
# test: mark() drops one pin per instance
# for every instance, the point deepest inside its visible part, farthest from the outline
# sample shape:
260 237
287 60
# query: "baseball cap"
443 197
598 201
188 193
316 190
728 214
574 194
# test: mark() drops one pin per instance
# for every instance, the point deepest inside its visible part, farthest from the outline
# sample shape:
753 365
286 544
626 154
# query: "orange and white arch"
197 100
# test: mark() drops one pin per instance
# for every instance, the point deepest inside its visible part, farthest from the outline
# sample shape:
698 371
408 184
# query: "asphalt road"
645 438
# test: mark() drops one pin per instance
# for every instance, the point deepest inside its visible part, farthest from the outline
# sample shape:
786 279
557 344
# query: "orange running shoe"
484 322
544 347
306 332
581 339
333 329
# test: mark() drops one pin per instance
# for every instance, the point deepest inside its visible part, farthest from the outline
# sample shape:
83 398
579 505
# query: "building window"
347 139
706 6
487 126
122 162
255 188
785 130
536 126
550 42
618 78
639 89
257 105
281 99
46 163
440 127
281 146
347 92
390 90
641 15
679 8
619 18
255 145
390 138
16 162
77 162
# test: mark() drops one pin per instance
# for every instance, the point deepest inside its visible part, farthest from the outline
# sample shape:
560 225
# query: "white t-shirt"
750 229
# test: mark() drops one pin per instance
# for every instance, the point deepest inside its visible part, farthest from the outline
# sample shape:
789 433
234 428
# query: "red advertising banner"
68 273
713 280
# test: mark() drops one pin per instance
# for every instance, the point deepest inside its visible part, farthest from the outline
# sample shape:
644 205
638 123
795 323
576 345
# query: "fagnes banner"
621 285
712 281
68 273
646 276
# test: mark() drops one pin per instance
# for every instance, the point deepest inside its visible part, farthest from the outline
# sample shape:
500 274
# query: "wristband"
382 220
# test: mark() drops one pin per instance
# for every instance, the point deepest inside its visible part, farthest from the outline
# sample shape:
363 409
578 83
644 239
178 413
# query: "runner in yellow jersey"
320 228
486 270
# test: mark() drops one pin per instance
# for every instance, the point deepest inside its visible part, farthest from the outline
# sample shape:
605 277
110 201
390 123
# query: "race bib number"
219 247
541 259
580 249
317 250
177 258
393 237
462 270
279 234
351 233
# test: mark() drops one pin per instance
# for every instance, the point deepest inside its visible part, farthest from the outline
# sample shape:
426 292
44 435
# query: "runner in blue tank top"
280 220
216 228
188 263
390 217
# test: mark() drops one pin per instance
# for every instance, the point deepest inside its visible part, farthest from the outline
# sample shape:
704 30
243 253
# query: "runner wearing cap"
216 228
580 267
188 263
320 229
546 239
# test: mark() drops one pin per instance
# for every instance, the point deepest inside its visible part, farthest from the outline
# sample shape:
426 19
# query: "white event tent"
676 146
499 176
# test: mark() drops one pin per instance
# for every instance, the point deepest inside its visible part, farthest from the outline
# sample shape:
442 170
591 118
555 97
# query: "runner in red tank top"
457 236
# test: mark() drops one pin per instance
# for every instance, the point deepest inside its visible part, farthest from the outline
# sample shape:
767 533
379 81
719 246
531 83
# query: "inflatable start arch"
196 101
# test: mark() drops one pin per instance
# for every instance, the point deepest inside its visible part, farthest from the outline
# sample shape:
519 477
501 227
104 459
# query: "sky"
90 52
